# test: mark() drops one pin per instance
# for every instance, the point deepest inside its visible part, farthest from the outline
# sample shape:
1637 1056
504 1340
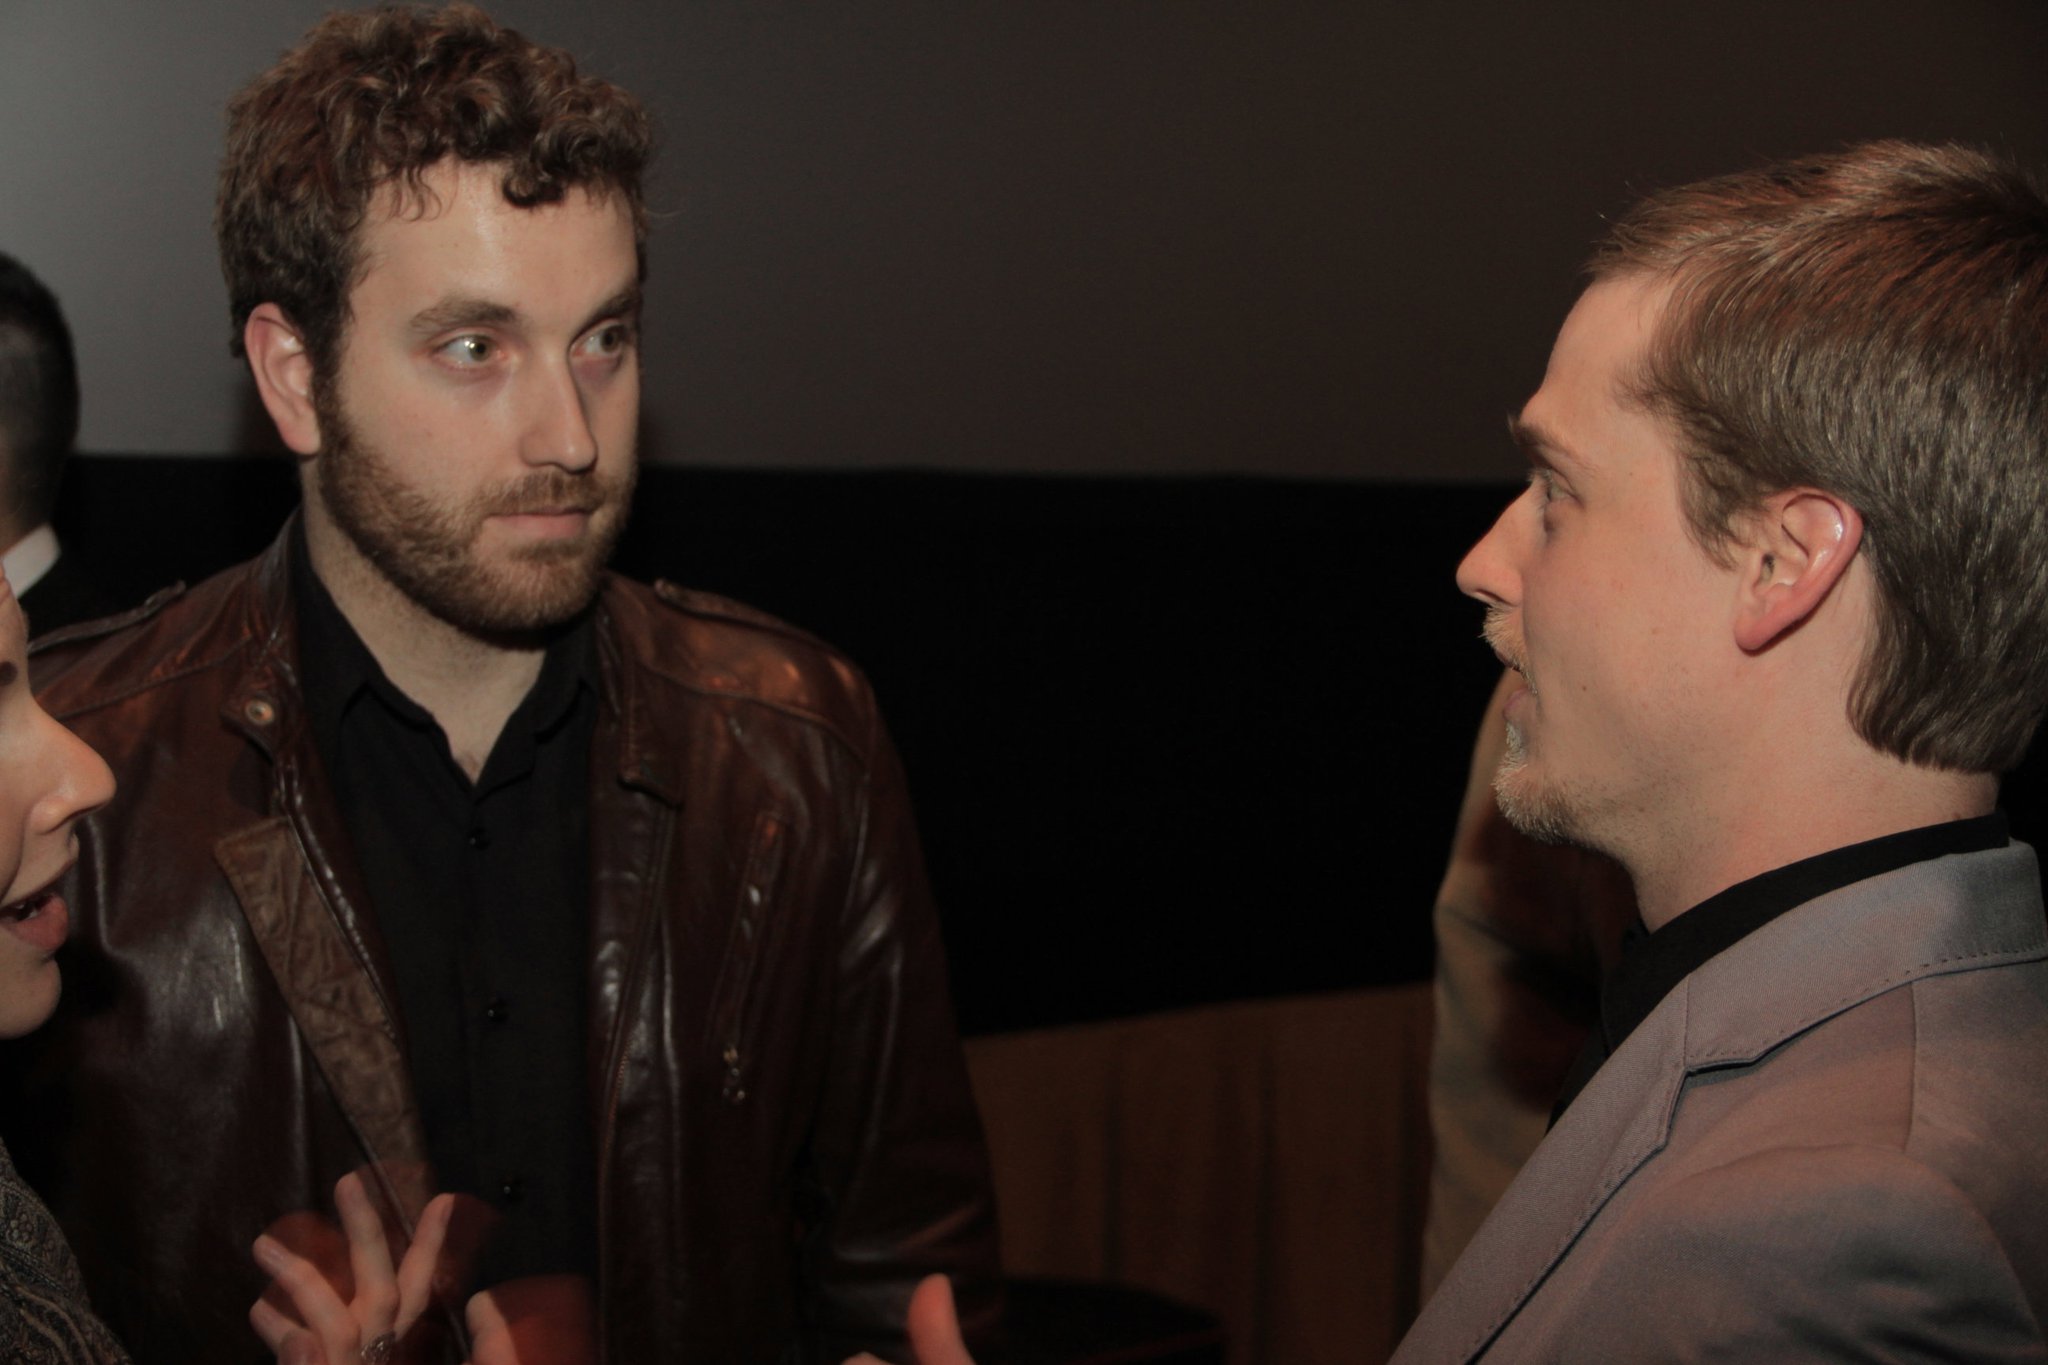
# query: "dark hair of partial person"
1874 324
372 100
38 394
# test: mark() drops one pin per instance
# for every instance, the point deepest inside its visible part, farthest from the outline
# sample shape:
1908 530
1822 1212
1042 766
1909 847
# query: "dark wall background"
1171 742
1321 238
941 287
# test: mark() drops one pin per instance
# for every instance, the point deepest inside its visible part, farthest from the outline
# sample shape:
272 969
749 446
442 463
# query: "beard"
1543 811
428 549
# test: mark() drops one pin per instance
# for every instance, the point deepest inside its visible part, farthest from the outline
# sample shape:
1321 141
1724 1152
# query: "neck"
469 684
1887 796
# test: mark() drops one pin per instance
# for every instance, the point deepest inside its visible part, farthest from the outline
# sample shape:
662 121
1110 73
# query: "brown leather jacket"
786 1139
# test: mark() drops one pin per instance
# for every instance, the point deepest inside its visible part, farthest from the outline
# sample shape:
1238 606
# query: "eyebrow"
1536 443
466 311
462 311
624 304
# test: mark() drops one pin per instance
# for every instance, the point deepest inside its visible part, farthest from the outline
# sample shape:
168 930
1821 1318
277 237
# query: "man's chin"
534 603
1533 809
509 598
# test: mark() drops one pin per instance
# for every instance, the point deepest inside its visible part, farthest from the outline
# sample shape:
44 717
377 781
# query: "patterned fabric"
44 1316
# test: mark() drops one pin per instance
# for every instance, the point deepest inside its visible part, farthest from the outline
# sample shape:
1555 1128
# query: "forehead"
454 233
1583 410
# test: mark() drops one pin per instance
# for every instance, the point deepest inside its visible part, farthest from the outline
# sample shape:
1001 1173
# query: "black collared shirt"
1653 963
481 892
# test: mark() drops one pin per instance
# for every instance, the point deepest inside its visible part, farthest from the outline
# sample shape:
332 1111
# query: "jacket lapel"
295 880
339 1012
1949 914
1620 1120
635 791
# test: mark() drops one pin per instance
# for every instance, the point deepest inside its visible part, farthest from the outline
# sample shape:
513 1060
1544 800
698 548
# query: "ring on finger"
381 1349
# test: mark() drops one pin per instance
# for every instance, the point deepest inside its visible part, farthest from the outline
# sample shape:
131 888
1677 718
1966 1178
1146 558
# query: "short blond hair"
1875 324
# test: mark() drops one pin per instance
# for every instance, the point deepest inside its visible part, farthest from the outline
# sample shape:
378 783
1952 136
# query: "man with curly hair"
446 856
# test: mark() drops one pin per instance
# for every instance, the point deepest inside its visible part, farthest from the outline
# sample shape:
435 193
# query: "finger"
312 1297
548 1318
935 1324
489 1334
369 1256
300 1348
292 1344
274 1327
422 1262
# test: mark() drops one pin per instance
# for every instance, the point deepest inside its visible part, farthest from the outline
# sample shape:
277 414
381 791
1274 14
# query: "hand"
329 1329
934 1327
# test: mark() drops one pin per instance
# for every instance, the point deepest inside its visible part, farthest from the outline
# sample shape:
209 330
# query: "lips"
1505 649
552 509
42 920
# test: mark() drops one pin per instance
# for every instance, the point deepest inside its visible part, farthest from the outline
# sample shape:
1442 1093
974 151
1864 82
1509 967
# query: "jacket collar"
267 704
649 758
264 702
1932 918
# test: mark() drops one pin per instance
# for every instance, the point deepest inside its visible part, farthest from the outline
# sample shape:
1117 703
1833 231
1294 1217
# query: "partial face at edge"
477 445
49 778
1599 596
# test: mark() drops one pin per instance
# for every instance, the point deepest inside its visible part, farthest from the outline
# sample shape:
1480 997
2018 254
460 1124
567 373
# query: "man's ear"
1798 545
284 376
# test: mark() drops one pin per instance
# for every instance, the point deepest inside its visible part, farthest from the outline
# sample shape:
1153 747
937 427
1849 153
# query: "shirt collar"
29 558
335 666
1652 963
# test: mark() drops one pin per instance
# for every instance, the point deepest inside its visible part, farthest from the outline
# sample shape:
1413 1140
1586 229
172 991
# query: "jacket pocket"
752 929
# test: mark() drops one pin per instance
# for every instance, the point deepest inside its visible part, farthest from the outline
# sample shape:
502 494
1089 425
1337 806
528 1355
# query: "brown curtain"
1266 1161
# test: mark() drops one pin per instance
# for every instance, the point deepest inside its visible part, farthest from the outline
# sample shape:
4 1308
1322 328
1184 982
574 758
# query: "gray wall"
1318 237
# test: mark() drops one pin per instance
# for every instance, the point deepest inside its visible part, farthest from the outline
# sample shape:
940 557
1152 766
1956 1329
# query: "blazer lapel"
1620 1120
1951 914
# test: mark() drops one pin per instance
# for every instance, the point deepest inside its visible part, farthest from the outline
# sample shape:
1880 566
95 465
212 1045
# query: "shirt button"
512 1188
497 1010
479 837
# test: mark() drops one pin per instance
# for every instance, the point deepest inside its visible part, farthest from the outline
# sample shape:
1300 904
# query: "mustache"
547 491
1495 632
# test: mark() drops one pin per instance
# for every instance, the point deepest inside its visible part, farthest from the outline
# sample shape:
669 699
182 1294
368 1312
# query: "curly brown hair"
1875 323
372 99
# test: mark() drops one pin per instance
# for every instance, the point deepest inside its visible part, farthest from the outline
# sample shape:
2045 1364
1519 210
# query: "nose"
1488 571
558 430
83 781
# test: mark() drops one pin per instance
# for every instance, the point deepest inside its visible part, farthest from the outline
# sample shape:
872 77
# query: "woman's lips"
42 921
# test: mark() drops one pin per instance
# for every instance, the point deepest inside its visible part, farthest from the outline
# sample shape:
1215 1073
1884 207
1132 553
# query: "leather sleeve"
901 1176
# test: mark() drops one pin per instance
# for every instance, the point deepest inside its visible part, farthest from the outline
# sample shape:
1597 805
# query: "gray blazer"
1828 1143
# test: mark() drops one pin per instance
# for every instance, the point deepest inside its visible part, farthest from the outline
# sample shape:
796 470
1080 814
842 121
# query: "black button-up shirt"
1653 963
481 892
